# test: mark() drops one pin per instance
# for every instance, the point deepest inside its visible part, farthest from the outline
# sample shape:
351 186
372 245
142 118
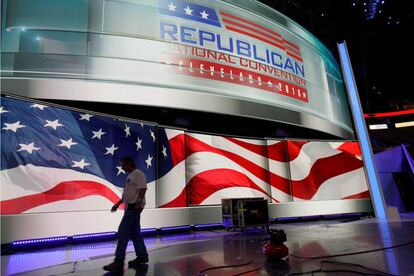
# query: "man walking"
130 227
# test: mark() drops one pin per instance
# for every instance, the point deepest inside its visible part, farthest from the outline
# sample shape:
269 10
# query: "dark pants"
130 228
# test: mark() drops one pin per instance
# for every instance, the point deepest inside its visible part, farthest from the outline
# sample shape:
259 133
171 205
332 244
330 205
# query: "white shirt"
135 181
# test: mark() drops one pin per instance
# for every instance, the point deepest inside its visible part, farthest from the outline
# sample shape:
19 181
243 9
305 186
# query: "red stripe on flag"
277 152
179 201
290 44
293 51
294 148
200 186
69 190
251 23
364 194
351 147
322 170
177 148
258 149
294 56
194 145
253 30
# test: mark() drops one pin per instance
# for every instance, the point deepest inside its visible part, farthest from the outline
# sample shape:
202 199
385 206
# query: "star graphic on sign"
120 170
80 164
148 161
127 131
53 124
111 150
13 127
28 147
204 15
3 110
138 143
98 134
85 116
164 151
40 106
171 7
152 135
269 83
67 143
142 125
188 10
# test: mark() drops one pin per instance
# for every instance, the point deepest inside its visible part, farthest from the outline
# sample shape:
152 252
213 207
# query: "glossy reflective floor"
311 245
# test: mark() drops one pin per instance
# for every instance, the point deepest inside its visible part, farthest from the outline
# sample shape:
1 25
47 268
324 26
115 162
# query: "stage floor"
204 252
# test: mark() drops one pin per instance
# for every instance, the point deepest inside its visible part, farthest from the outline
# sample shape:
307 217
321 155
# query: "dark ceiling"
378 35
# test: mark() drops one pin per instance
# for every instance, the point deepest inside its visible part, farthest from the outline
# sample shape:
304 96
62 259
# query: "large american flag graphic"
54 159
207 168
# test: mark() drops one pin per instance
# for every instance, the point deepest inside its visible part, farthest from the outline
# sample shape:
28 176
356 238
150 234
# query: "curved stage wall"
60 167
230 57
213 56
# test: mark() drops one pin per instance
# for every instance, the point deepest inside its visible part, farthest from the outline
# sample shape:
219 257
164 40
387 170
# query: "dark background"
378 35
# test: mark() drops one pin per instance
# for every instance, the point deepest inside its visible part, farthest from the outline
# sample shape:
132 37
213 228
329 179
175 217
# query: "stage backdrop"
59 160
56 160
326 170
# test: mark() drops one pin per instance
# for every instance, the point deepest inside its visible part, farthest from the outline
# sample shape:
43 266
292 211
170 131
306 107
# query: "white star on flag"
152 135
28 147
138 143
85 116
188 10
67 143
120 170
40 106
148 161
111 150
204 15
142 125
80 164
164 151
13 127
269 83
98 134
2 110
53 124
127 131
171 7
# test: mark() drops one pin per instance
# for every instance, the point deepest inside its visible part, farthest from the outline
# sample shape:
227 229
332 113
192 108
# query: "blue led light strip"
94 235
362 133
39 241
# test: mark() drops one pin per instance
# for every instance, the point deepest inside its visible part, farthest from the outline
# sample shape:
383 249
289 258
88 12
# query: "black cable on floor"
334 270
353 253
357 265
337 255
377 272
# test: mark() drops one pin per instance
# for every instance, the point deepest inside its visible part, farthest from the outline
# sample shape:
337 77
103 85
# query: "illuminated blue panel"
362 133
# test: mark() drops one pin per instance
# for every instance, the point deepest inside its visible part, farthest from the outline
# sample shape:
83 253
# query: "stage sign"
218 56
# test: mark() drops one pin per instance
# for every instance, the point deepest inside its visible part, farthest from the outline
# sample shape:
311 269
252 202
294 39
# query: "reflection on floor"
206 252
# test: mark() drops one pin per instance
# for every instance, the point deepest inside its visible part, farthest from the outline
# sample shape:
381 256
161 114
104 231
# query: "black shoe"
139 260
114 267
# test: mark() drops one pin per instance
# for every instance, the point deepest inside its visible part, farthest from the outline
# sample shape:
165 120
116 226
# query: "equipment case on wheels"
245 212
